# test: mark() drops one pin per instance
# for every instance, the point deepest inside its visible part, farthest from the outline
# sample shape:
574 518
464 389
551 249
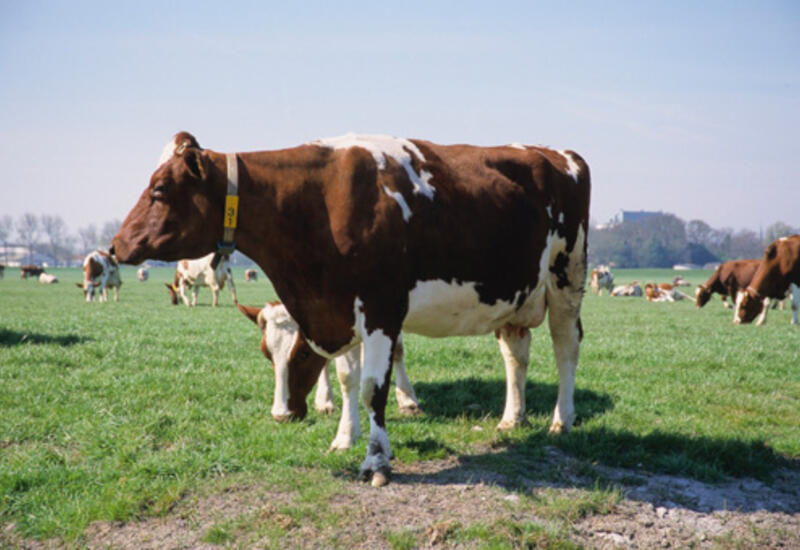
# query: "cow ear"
251 312
195 161
771 251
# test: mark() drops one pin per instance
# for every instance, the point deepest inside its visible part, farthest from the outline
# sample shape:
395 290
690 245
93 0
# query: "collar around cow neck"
231 215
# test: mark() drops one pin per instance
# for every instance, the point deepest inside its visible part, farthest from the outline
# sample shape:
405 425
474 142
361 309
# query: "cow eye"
159 191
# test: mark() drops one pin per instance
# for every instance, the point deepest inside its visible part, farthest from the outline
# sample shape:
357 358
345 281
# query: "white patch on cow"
517 145
281 332
167 152
561 217
397 196
381 146
572 167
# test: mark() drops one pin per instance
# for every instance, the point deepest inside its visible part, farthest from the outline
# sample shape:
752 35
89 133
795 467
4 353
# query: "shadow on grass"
9 338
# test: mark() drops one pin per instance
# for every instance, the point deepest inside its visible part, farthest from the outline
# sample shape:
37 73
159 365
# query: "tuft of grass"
507 534
218 534
402 540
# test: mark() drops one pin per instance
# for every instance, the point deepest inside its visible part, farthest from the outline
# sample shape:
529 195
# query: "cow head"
173 293
702 295
179 215
296 365
748 305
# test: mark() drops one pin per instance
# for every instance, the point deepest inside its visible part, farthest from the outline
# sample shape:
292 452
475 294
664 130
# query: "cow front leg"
566 332
182 291
515 345
762 317
375 380
214 296
348 371
323 398
233 288
403 391
795 301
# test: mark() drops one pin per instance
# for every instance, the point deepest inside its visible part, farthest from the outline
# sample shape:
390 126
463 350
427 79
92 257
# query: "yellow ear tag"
231 211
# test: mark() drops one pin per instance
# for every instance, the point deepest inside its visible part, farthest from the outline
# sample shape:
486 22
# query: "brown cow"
727 280
30 271
365 236
778 272
250 275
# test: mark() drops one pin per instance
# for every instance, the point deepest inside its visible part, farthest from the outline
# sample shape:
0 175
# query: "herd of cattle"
365 237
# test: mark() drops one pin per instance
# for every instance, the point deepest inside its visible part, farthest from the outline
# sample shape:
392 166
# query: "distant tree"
88 238
28 230
55 230
108 232
745 244
778 230
6 229
698 231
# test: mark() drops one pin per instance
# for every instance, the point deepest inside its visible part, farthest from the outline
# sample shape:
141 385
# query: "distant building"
630 216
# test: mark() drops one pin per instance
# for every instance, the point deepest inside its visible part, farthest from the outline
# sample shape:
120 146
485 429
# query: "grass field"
113 411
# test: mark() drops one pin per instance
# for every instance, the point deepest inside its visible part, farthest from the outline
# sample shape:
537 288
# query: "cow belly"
440 308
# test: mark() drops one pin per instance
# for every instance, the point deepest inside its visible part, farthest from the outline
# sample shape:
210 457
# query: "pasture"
121 411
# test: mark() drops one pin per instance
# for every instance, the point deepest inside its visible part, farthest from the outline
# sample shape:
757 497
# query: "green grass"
118 410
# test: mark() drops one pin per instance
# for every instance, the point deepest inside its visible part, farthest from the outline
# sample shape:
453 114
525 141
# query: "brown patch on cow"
251 312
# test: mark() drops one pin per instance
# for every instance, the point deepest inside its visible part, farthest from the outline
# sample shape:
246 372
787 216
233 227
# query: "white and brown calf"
601 278
47 278
632 289
297 368
100 272
250 275
142 274
212 270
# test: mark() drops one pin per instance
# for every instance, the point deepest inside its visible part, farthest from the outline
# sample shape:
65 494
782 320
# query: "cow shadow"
476 398
10 338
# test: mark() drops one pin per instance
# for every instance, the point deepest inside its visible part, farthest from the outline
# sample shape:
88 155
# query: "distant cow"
212 270
632 289
30 271
727 280
297 368
601 278
250 275
142 274
47 278
778 272
100 272
680 281
2 270
663 292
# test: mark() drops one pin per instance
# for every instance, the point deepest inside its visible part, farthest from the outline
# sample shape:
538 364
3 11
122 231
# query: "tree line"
663 240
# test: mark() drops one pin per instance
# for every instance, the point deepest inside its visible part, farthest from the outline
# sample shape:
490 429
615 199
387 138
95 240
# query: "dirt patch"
432 500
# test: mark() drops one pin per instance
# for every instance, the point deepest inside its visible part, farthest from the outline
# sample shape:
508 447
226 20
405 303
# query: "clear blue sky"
688 107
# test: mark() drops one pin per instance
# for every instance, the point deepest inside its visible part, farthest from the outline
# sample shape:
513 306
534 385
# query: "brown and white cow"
250 275
366 236
631 289
100 272
142 274
30 271
2 270
663 292
680 281
297 367
212 270
47 278
727 280
778 272
601 278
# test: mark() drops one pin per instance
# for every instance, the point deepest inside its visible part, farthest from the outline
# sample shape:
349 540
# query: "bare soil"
431 500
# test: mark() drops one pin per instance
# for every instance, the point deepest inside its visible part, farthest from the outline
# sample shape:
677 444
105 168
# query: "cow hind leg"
375 379
403 391
795 302
515 345
348 371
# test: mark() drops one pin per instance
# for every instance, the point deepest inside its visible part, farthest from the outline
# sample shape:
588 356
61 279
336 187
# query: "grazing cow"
250 275
366 236
142 274
47 278
632 289
297 367
100 269
727 280
601 278
212 270
778 272
30 271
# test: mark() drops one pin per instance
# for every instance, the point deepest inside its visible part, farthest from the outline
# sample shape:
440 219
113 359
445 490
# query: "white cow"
47 278
203 271
142 274
100 270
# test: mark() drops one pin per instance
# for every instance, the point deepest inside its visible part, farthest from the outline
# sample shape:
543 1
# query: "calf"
250 275
30 271
778 272
364 237
297 367
632 289
727 280
142 274
100 269
663 292
47 278
601 278
212 270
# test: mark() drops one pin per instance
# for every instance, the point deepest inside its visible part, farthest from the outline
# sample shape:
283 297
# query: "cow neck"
230 217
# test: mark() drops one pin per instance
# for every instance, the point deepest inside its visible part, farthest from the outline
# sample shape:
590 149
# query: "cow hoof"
411 410
339 446
557 429
506 425
327 408
380 478
282 417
